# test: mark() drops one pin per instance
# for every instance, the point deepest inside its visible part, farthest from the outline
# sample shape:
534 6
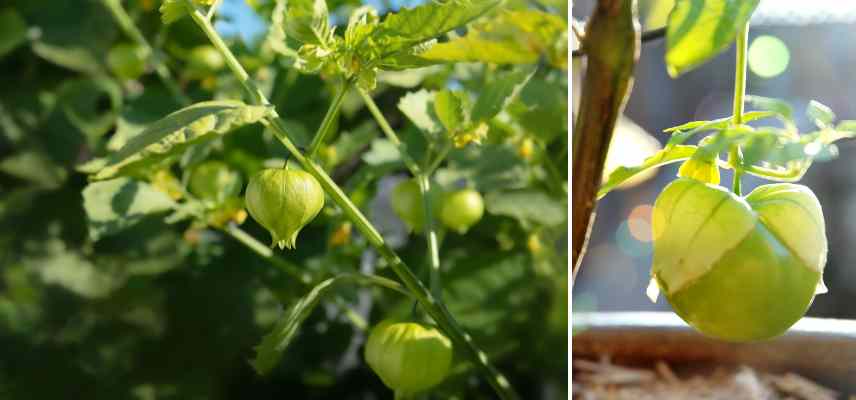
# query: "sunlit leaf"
698 30
164 141
308 21
498 93
411 26
668 155
512 37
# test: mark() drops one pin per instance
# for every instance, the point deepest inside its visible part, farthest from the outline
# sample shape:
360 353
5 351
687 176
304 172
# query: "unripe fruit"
406 201
408 357
462 209
204 60
284 201
127 61
738 268
215 181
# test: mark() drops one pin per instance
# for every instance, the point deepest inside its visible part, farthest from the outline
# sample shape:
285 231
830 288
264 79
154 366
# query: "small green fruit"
406 200
284 201
204 60
408 357
738 268
127 61
215 181
462 209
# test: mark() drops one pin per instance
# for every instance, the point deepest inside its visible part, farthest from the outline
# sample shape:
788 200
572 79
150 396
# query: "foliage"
119 282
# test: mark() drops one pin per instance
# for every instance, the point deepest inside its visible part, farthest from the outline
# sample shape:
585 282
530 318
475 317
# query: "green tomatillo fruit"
215 181
406 201
204 60
738 268
408 357
127 61
462 209
284 201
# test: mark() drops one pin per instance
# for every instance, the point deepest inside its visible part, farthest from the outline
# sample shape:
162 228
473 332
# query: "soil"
603 380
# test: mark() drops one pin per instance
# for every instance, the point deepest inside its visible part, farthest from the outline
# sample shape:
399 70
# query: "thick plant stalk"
612 49
434 308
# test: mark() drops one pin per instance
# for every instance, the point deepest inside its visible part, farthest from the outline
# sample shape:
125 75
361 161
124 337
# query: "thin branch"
646 36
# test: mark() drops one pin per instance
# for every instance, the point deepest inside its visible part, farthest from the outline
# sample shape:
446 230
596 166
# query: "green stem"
552 170
318 140
734 156
411 164
441 155
127 24
431 234
266 253
437 310
213 9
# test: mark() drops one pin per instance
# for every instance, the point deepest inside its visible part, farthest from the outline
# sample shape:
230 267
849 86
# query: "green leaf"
418 107
308 21
451 108
276 36
411 26
274 344
81 102
13 30
528 205
821 115
698 30
173 10
668 155
114 205
497 94
350 143
34 167
512 37
163 142
719 123
76 58
779 107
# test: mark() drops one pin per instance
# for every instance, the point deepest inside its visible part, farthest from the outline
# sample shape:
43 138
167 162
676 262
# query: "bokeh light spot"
768 56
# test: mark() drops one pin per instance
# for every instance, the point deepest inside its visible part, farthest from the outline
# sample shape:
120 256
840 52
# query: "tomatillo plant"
383 80
738 268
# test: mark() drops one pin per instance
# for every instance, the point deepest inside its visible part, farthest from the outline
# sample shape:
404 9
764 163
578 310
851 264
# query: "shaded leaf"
528 205
13 30
274 344
120 203
172 10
